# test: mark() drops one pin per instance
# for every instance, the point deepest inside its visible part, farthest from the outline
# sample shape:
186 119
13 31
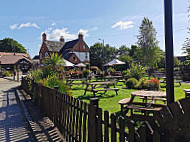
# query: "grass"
109 101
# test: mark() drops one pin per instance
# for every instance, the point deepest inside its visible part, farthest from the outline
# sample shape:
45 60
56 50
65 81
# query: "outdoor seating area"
146 104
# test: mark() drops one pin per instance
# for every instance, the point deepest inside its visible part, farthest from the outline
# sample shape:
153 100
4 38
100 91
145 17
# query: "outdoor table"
146 94
143 107
187 92
104 84
115 78
71 81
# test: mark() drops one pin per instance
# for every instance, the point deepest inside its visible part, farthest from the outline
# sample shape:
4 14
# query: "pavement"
20 119
13 126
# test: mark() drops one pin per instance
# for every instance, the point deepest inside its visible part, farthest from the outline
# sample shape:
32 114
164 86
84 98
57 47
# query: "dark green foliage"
10 45
149 54
52 65
135 71
85 73
100 55
131 83
127 59
123 50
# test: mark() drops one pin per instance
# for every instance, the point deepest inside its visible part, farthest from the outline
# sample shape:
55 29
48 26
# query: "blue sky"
115 21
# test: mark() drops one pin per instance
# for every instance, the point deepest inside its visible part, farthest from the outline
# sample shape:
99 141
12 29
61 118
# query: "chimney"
80 36
43 37
62 39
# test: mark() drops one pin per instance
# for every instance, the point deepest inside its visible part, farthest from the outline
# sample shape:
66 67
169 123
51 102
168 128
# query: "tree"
52 65
127 59
100 55
186 45
149 53
10 45
133 50
123 50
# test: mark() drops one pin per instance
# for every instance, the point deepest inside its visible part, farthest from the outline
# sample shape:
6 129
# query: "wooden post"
169 51
92 120
17 72
94 101
131 131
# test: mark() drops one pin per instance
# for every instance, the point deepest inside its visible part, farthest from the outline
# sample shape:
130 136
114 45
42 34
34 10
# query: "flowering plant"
152 84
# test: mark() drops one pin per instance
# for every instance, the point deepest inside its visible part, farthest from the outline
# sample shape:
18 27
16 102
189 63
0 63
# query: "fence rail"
82 122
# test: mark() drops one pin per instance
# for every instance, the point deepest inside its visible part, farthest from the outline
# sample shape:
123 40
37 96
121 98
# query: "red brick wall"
78 47
76 61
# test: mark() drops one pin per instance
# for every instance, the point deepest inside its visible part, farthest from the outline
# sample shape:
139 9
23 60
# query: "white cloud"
57 33
84 32
13 26
28 25
123 25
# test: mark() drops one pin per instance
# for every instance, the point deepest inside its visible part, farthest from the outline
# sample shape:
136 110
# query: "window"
74 58
86 56
46 54
83 46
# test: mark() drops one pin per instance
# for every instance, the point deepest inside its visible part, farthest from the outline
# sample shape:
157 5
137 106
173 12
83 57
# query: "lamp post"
103 51
169 51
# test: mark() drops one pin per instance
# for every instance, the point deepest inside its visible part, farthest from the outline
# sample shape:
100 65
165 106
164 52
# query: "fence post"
94 101
131 131
92 120
55 115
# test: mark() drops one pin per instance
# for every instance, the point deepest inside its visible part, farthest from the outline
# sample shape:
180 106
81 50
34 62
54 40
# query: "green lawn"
109 101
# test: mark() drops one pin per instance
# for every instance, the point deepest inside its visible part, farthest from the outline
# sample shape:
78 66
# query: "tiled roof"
12 59
17 54
68 56
69 44
36 57
65 52
54 46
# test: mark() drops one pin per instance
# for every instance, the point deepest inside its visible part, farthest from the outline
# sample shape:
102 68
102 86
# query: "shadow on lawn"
98 95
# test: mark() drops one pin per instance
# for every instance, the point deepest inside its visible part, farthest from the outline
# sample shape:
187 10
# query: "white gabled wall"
82 56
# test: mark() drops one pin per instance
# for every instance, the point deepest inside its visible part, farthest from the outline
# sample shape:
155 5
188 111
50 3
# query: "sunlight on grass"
109 101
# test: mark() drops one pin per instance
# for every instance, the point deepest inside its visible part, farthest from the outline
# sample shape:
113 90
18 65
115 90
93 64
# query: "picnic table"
187 92
175 80
145 106
72 81
100 86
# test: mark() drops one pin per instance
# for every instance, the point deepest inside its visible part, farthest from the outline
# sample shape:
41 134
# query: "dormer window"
83 46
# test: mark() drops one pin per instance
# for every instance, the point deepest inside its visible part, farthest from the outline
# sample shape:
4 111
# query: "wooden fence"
82 122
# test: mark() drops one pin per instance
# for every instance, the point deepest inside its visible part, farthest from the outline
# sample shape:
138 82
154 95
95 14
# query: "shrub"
140 84
131 83
110 69
85 73
52 81
135 71
152 84
6 73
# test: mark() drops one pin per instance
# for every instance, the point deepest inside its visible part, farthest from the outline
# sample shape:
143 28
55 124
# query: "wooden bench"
127 104
154 99
122 103
145 108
